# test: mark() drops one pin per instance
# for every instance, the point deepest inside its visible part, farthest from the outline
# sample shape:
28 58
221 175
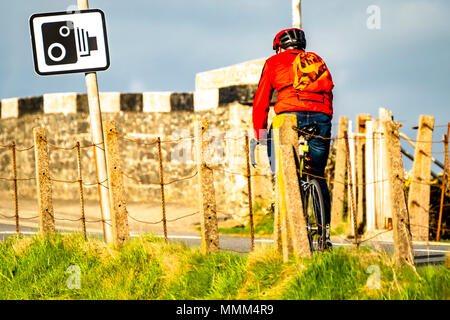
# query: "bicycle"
311 194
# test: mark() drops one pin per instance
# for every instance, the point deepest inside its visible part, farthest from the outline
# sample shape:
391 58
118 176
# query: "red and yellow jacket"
278 74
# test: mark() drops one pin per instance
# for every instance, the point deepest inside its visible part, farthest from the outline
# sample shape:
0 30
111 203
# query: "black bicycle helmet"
293 37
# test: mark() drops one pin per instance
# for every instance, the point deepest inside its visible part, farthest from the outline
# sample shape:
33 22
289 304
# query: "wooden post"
80 188
95 116
403 250
446 152
360 166
370 178
351 185
337 207
43 182
209 226
249 188
161 182
14 170
419 192
294 234
351 190
444 182
119 216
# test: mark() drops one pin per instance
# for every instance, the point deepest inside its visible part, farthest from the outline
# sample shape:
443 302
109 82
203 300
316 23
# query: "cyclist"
309 107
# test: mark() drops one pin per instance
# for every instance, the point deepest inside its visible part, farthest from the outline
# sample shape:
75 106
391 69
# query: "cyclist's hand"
253 144
262 141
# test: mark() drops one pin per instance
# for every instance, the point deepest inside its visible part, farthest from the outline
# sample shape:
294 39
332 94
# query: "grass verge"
149 268
263 226
263 216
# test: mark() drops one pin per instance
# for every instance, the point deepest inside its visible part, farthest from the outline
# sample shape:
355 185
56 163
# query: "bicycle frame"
305 184
302 152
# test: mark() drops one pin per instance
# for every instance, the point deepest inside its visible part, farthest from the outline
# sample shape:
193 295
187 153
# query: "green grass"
338 230
149 268
263 222
264 226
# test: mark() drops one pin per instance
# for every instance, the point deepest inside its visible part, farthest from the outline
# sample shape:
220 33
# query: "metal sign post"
76 42
297 14
97 139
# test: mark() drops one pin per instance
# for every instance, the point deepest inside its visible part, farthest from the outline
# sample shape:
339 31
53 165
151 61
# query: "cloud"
420 18
161 45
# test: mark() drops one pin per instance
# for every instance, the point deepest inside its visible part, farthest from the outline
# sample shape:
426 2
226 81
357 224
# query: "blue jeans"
318 150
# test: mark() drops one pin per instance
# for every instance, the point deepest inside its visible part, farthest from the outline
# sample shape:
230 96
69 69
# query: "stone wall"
223 96
65 118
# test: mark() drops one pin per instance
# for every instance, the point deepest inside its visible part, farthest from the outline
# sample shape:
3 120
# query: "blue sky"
161 45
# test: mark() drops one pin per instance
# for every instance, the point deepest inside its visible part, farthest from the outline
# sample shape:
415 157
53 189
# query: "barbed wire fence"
163 183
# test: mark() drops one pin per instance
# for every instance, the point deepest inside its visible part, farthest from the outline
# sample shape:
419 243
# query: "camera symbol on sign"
64 44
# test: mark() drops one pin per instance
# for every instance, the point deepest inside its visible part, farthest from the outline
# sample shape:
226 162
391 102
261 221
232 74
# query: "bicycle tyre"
314 211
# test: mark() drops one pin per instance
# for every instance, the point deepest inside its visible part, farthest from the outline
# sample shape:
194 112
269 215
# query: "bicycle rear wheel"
314 211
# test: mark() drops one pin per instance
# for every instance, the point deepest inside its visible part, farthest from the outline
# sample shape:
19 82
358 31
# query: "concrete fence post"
43 182
119 214
385 115
293 224
360 166
370 178
282 239
419 192
378 173
337 207
444 183
403 251
208 223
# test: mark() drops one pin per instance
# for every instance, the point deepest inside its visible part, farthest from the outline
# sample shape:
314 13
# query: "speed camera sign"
65 42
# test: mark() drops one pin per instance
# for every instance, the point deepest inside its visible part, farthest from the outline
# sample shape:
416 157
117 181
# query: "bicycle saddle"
309 130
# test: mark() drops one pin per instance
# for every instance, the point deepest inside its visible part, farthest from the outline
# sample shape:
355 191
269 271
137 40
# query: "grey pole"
98 140
297 14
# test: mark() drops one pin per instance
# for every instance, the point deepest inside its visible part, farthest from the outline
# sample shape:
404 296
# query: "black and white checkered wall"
131 102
